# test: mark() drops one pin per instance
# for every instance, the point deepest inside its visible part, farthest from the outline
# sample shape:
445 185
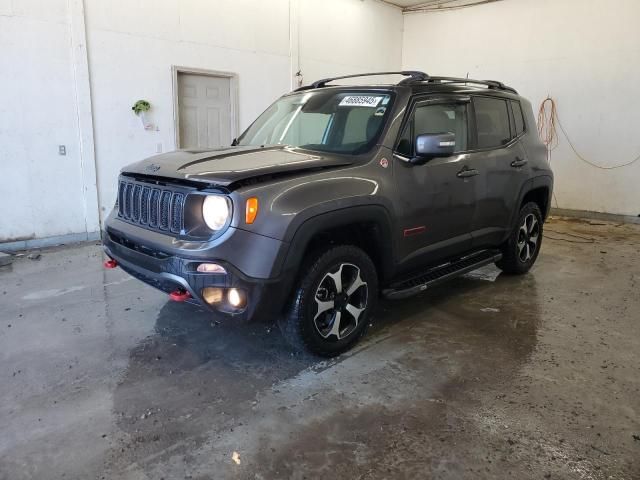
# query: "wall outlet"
62 149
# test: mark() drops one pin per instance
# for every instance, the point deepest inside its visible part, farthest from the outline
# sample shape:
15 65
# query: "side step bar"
441 273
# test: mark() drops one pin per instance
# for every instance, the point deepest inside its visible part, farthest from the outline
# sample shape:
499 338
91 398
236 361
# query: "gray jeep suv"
336 195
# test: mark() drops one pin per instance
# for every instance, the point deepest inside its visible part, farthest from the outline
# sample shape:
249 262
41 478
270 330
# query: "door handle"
467 172
518 162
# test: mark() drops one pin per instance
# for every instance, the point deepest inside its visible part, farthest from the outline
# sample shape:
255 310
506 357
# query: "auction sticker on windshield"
360 101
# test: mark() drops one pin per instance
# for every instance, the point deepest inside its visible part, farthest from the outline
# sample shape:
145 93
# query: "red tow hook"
180 295
111 263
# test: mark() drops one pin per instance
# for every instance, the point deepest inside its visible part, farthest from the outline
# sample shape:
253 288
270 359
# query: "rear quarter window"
518 116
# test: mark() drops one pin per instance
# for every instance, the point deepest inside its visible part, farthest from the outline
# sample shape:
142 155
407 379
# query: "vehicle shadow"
468 297
495 311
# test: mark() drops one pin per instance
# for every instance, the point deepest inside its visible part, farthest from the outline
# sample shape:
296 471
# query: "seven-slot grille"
153 207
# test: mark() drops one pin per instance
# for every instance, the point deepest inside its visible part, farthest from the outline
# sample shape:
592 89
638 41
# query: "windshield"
338 122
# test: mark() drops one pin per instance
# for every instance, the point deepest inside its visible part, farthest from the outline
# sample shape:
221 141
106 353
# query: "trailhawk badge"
152 167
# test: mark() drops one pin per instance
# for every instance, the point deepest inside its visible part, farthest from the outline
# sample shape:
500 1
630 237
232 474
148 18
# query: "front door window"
435 118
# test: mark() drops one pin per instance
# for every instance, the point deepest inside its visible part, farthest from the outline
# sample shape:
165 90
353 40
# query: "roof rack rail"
415 76
491 84
412 74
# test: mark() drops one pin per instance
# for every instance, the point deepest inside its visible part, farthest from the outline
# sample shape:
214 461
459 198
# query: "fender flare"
529 185
545 181
377 214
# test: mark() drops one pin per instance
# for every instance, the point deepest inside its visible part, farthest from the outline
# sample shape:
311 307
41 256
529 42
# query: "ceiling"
408 3
435 5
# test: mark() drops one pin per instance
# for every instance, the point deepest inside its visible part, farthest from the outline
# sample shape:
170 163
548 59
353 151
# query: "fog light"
211 268
212 295
236 298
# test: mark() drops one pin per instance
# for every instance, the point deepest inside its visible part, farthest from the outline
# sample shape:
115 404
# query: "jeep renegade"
336 195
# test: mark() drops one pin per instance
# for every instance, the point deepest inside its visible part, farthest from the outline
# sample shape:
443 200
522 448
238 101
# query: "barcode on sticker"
360 101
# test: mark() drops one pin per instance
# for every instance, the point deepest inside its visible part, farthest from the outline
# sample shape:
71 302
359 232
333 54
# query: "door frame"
233 95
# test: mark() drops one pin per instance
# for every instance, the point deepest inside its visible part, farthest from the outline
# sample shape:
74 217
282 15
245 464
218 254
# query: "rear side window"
518 117
492 122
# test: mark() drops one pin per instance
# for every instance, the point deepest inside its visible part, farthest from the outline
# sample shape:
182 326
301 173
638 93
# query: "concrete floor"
509 377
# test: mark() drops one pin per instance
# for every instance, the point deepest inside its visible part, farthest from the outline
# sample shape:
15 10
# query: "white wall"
584 53
41 192
132 47
339 37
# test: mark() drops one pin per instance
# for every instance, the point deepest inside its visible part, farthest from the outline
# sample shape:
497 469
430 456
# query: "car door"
436 200
502 163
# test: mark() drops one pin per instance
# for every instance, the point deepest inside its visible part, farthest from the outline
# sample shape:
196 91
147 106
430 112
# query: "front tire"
521 250
332 303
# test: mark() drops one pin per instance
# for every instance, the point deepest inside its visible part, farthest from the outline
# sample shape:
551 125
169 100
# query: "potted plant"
140 108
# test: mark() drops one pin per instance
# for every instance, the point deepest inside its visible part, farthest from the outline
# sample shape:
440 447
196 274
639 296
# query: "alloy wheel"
341 298
528 238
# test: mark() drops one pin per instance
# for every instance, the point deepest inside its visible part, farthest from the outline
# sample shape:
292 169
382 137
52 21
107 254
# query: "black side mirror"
433 145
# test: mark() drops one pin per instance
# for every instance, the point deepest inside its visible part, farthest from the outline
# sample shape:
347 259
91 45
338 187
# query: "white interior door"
204 108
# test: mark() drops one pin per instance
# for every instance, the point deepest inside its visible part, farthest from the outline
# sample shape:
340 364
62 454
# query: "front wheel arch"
365 226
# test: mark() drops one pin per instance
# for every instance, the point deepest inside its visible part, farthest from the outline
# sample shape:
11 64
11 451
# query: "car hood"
225 166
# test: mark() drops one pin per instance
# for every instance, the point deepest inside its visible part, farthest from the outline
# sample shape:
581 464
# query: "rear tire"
521 250
332 303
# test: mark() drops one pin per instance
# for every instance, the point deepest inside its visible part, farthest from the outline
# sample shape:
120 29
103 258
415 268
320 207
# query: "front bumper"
170 270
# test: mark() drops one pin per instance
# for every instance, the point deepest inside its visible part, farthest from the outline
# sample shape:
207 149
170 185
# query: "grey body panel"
290 202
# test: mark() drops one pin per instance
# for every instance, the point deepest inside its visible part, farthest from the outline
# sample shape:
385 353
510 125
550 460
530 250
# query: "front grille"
155 208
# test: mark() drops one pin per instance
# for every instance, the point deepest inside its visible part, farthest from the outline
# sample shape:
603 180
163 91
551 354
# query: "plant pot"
146 122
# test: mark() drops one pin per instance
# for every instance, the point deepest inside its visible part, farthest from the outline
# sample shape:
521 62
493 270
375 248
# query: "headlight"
215 211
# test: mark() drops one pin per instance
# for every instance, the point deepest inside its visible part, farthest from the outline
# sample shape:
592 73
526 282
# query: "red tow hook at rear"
111 263
180 295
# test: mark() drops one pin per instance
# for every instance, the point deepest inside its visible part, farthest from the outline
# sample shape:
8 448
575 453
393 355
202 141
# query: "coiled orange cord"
548 119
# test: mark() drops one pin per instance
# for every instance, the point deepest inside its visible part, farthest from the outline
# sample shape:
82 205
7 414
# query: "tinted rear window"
492 122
